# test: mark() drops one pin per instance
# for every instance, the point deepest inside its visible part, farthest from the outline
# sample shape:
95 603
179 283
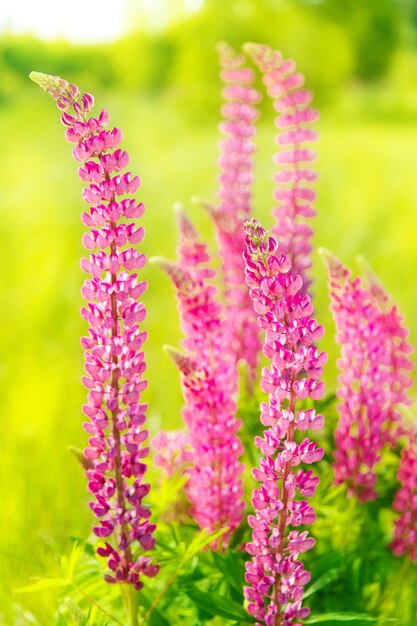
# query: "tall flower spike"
397 347
405 501
114 360
208 373
275 575
398 382
234 205
293 193
373 378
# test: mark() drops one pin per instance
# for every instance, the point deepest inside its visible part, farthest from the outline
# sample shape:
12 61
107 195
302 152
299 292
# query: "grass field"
367 204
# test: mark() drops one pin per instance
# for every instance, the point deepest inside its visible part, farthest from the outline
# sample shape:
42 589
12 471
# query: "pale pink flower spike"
234 202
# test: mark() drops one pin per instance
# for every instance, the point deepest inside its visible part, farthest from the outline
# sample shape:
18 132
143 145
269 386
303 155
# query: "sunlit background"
152 63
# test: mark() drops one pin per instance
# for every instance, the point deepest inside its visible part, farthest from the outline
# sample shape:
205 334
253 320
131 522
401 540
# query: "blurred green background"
160 84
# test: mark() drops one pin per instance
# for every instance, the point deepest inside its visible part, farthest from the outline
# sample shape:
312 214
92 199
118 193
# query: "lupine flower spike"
234 205
372 381
398 382
208 373
293 192
275 574
405 501
114 360
394 337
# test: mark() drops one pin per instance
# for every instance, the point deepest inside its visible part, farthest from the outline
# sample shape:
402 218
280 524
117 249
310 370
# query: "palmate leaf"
231 566
69 563
202 540
213 604
155 618
321 582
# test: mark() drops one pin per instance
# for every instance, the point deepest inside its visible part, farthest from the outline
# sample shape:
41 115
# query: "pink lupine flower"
234 204
214 486
372 381
275 575
114 360
396 346
173 451
398 381
293 192
405 501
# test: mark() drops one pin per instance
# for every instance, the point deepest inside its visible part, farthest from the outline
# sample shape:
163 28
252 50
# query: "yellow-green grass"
367 204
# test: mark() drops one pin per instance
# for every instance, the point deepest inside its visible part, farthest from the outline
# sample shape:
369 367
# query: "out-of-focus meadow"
161 87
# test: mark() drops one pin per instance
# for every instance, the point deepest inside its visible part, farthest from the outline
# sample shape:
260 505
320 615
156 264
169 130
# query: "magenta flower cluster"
114 360
275 574
405 501
234 206
214 485
293 193
373 379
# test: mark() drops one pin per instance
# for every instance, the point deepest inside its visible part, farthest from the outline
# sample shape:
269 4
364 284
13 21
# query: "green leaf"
44 583
231 567
341 617
87 547
202 540
214 604
69 564
155 618
321 582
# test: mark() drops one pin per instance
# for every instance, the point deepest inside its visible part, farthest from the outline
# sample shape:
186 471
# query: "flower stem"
284 512
130 597
93 602
161 594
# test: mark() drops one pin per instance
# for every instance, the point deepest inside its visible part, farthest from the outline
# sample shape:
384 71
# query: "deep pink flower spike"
114 360
373 378
405 501
208 375
275 575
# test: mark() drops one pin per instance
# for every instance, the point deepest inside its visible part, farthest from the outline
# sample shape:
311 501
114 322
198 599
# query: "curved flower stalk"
234 204
293 191
114 360
214 486
372 381
405 501
276 576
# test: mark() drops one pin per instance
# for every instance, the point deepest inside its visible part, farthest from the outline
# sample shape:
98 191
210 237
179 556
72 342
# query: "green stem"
94 603
130 597
161 594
